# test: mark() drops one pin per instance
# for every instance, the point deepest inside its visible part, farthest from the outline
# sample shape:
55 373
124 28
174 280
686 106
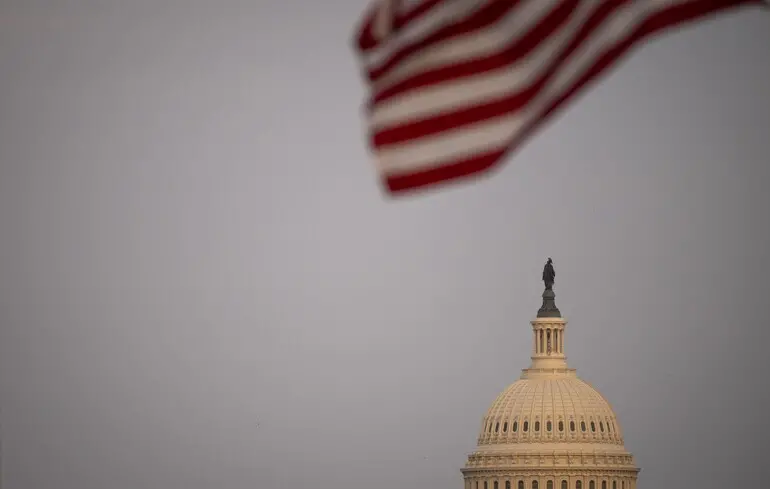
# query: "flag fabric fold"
453 86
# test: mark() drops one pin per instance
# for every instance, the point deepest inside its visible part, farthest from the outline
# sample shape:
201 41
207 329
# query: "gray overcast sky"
202 285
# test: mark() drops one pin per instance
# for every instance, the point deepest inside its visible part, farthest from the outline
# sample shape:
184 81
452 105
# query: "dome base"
541 373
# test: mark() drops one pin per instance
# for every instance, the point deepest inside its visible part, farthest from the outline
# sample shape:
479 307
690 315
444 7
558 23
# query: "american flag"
455 85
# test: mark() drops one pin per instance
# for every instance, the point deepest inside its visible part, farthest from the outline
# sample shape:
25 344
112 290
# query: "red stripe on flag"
365 40
482 18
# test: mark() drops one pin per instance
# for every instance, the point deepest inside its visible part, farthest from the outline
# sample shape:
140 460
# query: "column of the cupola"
542 356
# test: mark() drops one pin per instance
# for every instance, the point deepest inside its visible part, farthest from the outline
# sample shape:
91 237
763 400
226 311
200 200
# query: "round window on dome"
537 425
561 425
583 426
505 427
601 426
525 428
548 426
497 427
515 426
572 426
593 427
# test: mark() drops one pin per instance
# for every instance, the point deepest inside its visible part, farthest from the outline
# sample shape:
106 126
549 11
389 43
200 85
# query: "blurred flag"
454 85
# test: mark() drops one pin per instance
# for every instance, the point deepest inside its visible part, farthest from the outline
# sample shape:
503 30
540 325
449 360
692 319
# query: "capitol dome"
549 429
551 410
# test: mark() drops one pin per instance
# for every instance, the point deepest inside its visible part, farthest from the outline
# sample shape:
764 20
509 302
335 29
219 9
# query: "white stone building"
550 429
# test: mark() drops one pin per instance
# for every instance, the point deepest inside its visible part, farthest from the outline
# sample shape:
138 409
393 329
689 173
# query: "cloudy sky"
202 285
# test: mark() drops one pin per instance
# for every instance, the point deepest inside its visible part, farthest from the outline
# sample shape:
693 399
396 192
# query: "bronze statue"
548 309
549 274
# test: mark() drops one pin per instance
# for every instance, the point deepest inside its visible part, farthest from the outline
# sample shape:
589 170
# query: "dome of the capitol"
549 429
555 411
